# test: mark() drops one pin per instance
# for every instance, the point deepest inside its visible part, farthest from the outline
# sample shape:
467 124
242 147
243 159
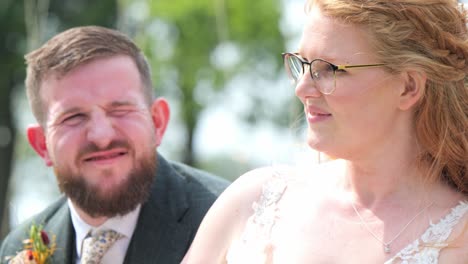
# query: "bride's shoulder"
249 186
228 215
252 182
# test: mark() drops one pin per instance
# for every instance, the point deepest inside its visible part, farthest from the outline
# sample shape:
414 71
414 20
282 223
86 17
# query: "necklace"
386 245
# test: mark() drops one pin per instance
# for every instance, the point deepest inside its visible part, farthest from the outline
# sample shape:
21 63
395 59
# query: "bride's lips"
315 114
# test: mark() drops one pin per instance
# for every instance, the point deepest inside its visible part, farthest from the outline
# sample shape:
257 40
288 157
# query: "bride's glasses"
321 71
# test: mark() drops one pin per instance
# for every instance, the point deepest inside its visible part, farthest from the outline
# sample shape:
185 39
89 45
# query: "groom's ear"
36 138
160 114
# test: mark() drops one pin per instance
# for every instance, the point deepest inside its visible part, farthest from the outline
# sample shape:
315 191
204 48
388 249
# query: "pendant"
386 248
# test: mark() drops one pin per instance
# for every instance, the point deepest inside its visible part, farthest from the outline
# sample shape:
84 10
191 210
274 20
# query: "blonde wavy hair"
429 36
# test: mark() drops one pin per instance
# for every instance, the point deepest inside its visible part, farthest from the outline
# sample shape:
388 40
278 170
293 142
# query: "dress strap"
427 248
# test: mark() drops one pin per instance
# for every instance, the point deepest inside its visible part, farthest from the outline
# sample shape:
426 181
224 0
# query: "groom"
90 90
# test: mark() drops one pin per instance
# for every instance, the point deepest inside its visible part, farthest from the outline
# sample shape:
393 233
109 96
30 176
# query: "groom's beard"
124 198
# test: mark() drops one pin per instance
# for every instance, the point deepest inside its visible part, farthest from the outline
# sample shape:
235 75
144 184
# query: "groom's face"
100 135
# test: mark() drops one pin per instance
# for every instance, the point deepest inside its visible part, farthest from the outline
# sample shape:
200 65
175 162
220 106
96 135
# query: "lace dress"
255 246
435 237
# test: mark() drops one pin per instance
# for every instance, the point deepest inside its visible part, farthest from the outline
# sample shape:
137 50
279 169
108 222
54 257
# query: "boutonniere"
37 249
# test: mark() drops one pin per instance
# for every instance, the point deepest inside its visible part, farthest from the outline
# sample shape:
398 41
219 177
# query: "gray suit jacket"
167 224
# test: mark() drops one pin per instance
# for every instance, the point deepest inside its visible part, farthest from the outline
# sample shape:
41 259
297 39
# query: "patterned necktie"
95 246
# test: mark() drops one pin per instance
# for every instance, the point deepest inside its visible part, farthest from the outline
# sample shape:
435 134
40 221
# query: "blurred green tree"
24 26
13 32
196 47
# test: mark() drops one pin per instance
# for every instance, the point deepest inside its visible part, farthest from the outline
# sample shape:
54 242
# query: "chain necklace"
386 245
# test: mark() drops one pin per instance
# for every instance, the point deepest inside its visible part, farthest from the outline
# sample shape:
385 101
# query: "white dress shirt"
125 225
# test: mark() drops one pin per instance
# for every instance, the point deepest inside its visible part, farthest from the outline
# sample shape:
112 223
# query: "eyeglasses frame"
334 67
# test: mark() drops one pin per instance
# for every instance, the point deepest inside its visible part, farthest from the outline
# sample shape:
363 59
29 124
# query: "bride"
383 84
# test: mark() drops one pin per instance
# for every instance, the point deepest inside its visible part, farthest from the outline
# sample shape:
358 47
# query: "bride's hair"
428 36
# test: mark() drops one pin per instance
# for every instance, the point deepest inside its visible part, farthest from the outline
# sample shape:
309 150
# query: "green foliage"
18 26
11 73
202 25
84 12
199 33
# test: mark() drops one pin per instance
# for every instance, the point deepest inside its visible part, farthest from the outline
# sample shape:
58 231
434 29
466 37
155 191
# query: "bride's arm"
226 219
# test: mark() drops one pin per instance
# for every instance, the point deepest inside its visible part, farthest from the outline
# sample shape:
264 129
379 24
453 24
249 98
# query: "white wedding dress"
254 246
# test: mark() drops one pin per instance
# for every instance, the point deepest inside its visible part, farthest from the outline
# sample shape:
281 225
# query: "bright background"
247 113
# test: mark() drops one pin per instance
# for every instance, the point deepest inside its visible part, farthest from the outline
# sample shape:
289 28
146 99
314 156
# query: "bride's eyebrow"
325 58
332 59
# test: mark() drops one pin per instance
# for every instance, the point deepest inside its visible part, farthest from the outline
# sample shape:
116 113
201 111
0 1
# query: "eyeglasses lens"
294 67
321 72
324 76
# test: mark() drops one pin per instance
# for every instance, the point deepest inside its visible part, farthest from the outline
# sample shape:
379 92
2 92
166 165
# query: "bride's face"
363 109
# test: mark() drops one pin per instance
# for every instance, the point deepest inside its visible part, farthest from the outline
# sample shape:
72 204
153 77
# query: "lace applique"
426 249
266 209
255 246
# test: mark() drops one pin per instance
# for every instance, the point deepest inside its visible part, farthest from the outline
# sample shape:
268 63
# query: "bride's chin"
317 144
327 151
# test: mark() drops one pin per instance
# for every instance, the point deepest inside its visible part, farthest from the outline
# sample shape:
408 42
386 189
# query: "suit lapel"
157 239
61 226
160 236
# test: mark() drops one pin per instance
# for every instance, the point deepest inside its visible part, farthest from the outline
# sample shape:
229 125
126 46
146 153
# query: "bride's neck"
385 182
